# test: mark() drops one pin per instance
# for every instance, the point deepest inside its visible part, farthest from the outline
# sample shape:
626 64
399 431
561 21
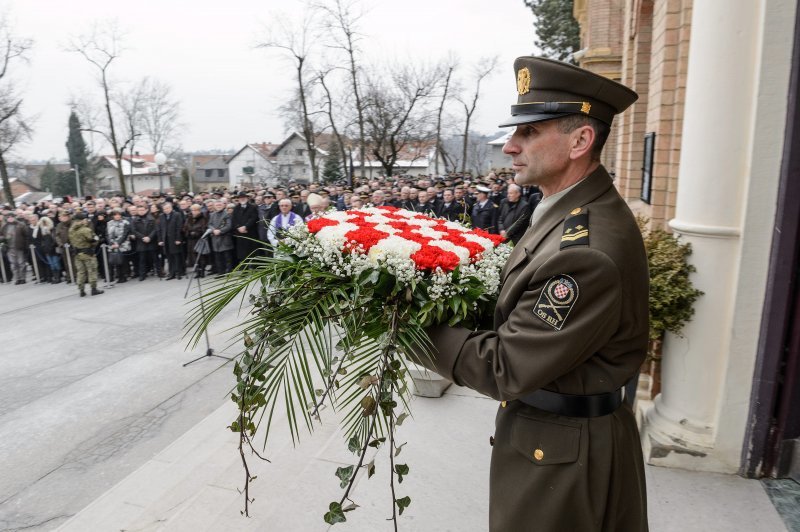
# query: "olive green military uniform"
81 238
571 318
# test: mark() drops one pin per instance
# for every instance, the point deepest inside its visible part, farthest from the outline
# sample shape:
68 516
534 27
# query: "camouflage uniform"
82 240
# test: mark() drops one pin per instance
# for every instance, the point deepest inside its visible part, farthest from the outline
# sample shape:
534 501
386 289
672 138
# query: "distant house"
251 165
498 159
32 173
417 158
141 174
209 172
291 157
24 192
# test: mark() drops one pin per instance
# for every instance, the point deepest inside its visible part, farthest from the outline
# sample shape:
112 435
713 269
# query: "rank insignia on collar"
556 301
576 229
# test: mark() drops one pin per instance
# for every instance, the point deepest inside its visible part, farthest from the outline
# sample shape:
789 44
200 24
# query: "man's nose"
510 147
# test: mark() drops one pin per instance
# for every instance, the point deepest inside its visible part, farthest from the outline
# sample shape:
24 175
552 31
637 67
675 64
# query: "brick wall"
649 40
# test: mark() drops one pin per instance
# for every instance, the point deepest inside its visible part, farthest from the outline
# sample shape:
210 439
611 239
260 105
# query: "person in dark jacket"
245 222
221 240
194 228
484 212
47 260
449 208
512 214
145 240
170 240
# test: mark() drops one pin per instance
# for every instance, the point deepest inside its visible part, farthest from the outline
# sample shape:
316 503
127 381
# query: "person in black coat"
170 239
484 212
245 227
512 210
145 241
449 208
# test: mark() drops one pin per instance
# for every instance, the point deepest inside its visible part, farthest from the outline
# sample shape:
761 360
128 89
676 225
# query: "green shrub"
672 294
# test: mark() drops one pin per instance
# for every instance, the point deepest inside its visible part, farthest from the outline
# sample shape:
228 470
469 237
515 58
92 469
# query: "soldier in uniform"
84 240
485 214
570 325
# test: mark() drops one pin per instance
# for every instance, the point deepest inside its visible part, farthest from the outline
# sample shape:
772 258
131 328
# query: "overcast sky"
229 90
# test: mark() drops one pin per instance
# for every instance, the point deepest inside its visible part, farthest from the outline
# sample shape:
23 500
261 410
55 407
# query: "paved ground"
101 429
90 389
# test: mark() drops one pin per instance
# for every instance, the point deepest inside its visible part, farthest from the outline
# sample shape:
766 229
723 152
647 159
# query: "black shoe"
123 280
96 292
83 294
142 278
169 278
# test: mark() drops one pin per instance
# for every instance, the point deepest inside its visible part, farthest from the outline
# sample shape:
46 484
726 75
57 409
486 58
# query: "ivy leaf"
234 426
370 469
401 469
376 442
399 448
368 404
248 340
353 445
344 474
336 514
365 382
403 503
402 417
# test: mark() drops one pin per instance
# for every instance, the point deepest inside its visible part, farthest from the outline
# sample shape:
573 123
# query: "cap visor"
527 119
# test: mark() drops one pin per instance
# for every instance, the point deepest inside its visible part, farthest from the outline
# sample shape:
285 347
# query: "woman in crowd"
47 260
61 236
194 228
118 231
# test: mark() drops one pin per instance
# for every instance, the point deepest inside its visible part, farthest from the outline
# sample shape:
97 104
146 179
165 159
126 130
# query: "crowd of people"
164 236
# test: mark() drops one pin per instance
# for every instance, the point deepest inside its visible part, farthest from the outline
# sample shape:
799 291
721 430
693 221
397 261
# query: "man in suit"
170 239
245 227
448 208
571 321
513 213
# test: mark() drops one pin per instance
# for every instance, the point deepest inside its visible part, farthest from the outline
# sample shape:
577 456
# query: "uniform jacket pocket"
546 441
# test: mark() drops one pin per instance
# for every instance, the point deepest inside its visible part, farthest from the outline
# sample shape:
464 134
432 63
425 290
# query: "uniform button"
538 454
503 404
491 441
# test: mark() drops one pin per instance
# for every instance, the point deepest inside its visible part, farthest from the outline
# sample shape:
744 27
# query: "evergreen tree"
58 183
332 170
77 150
557 31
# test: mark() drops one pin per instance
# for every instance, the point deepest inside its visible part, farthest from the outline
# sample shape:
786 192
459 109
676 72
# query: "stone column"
713 179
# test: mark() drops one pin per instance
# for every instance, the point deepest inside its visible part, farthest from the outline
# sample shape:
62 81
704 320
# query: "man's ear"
581 141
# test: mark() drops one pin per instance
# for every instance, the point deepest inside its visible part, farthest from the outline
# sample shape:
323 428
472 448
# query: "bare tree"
100 47
161 120
451 63
296 43
14 127
396 112
342 18
132 106
329 104
482 68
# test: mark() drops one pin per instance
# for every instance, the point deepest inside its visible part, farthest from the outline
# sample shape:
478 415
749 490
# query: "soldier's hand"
160 243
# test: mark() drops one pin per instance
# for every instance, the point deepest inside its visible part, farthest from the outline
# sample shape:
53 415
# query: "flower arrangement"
336 313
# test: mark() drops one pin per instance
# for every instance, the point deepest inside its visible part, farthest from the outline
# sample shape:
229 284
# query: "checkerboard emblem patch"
556 301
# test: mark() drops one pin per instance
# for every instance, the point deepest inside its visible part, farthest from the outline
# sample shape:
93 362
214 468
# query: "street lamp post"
77 180
160 159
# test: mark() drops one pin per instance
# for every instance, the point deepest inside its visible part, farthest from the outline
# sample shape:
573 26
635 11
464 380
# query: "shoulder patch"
556 300
576 229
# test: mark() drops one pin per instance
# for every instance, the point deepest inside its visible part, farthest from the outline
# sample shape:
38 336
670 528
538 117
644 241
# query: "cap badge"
523 81
586 107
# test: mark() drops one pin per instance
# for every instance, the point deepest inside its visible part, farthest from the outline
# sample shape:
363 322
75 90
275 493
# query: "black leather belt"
574 405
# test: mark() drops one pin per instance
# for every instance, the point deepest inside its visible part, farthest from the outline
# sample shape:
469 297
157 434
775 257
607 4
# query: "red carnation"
365 236
432 257
316 224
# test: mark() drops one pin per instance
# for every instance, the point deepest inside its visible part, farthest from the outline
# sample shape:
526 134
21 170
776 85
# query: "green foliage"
672 294
182 184
76 149
332 169
557 31
57 183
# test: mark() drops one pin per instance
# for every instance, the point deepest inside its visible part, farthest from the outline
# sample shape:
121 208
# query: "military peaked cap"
550 89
